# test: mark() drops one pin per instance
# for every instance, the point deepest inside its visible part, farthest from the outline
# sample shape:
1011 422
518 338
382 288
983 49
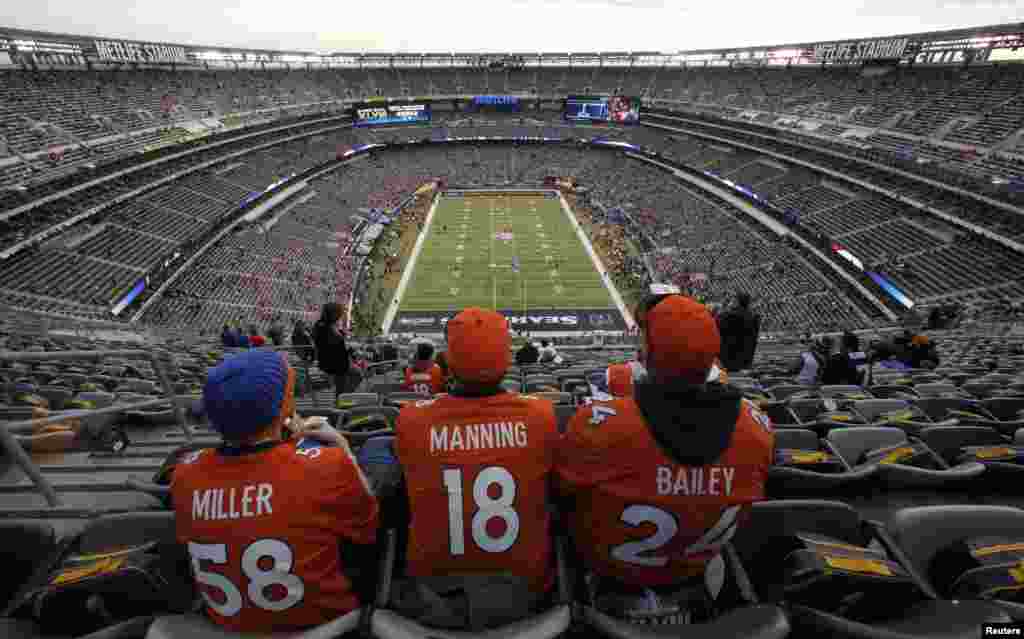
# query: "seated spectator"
293 501
811 364
922 353
424 376
528 354
676 435
547 352
255 339
492 452
849 365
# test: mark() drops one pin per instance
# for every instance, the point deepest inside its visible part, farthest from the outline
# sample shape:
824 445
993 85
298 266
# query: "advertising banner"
532 321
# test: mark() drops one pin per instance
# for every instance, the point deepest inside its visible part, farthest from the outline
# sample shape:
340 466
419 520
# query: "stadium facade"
976 45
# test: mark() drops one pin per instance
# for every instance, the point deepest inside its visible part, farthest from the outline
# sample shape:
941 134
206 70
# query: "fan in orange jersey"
262 518
477 465
660 480
424 376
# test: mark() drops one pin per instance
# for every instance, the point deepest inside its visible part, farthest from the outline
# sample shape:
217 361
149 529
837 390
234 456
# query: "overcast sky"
511 25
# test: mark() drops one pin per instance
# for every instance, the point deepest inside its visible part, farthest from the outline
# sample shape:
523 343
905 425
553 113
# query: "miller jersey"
263 528
429 381
477 472
639 516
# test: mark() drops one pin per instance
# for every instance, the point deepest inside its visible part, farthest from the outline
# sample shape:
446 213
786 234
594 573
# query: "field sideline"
514 253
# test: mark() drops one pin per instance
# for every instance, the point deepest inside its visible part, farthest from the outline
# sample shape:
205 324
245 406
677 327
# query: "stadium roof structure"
21 48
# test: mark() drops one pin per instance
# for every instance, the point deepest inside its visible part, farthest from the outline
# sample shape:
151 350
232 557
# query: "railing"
12 446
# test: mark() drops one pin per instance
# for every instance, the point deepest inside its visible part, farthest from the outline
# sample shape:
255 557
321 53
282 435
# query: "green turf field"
463 263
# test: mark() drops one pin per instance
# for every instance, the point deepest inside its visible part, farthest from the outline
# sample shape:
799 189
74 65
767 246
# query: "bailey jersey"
641 517
263 530
429 381
477 471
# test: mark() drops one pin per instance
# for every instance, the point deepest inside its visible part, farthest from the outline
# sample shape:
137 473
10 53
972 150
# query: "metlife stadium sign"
120 51
888 49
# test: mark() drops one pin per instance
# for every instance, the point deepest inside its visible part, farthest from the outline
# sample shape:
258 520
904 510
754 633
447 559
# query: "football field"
515 253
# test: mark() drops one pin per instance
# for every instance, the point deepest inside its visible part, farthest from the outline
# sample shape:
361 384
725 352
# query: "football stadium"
370 329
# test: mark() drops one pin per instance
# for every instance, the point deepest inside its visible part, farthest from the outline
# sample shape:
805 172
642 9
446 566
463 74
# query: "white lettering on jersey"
699 481
478 436
214 504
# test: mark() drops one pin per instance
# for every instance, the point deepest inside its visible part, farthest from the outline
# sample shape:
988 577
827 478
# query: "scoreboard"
592 108
380 113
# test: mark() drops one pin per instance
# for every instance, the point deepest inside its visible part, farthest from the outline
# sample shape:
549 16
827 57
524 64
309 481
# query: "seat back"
947 441
799 438
1004 408
937 408
786 517
23 544
936 389
923 531
873 409
852 443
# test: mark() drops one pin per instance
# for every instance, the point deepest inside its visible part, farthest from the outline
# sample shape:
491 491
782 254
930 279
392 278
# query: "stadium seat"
386 623
349 400
771 523
947 441
556 397
922 533
751 622
938 390
792 480
199 627
564 413
853 443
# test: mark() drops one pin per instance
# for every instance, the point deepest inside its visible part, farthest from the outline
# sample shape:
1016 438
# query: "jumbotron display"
591 108
381 113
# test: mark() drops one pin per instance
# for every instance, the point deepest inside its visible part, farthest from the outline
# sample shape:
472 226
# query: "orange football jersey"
429 381
263 528
640 516
477 471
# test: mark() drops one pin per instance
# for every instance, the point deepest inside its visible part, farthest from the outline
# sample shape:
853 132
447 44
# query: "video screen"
380 114
589 108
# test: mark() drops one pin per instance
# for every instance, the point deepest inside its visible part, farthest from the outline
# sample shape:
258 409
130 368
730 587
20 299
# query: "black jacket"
692 424
739 328
528 354
331 351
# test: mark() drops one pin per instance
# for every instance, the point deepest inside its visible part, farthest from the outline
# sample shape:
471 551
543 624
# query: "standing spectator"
388 351
331 350
849 365
229 336
739 327
276 333
302 338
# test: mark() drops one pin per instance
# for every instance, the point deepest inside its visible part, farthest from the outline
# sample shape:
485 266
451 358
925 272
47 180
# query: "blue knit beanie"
245 392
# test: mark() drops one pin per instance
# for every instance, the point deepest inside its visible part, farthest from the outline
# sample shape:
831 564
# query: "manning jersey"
477 471
429 381
263 528
641 517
